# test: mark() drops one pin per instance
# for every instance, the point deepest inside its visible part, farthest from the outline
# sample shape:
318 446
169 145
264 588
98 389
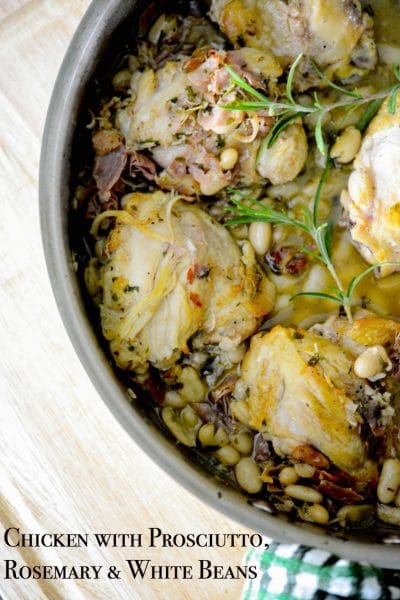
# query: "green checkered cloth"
293 572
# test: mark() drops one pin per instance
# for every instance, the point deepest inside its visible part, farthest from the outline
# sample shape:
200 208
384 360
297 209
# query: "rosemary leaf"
335 86
245 197
356 280
348 111
321 183
329 239
321 234
289 82
289 107
244 105
242 83
279 126
317 104
392 101
368 114
312 254
264 144
319 136
247 214
317 295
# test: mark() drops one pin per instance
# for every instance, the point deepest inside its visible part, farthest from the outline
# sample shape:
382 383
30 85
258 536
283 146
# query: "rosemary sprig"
288 109
344 297
368 115
320 232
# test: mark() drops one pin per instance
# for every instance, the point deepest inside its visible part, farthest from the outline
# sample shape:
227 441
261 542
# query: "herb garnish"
320 231
289 109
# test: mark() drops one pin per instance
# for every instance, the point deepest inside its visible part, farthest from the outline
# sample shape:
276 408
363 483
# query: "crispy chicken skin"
372 199
170 274
328 30
300 391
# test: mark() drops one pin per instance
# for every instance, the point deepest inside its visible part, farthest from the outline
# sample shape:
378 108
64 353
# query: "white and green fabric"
293 572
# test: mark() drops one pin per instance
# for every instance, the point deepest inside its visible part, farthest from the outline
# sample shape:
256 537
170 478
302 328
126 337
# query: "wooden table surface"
67 465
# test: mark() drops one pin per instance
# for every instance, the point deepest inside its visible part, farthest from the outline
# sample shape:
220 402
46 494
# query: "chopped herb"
314 360
297 335
368 115
131 288
220 141
176 386
190 94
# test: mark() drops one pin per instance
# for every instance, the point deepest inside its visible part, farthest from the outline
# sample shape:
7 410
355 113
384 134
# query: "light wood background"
66 464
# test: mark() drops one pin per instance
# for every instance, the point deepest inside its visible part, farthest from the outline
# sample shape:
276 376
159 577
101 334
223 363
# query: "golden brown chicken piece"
171 274
373 196
177 114
301 390
328 30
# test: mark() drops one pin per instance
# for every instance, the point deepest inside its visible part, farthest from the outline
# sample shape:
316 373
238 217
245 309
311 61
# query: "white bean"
209 437
227 455
189 416
100 247
92 277
389 514
372 362
174 399
304 470
389 481
288 476
163 25
354 513
346 145
279 233
221 437
260 235
183 434
240 411
317 279
318 514
302 492
122 79
242 442
193 389
240 232
284 160
228 158
207 434
248 473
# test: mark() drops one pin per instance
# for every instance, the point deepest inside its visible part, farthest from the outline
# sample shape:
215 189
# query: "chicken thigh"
177 114
328 30
372 200
170 275
301 390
